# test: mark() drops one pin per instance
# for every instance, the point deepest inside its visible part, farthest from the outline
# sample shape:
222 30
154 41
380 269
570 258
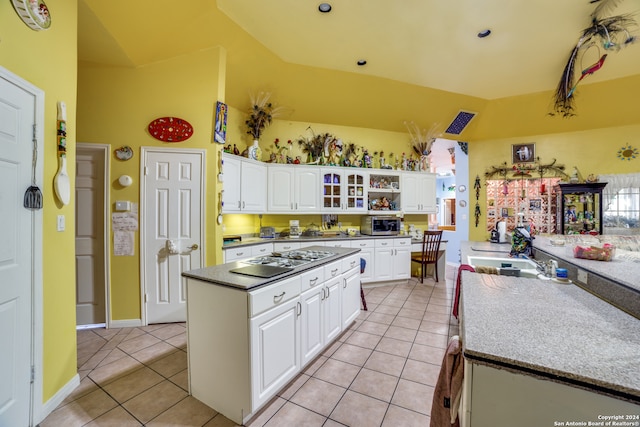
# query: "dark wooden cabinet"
579 208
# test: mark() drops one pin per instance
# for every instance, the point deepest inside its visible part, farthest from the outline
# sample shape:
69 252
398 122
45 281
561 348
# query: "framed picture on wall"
523 153
220 132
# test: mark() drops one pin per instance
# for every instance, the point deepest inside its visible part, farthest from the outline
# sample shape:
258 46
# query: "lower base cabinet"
245 346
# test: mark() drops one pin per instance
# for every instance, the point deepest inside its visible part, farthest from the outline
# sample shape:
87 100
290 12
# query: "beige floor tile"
393 302
387 319
131 385
220 421
106 333
406 322
134 333
387 309
181 379
189 412
86 386
294 386
117 417
315 365
352 354
331 349
363 339
168 331
114 341
114 355
441 301
80 411
394 346
411 313
171 364
375 384
426 353
330 423
154 326
337 372
358 410
138 343
294 415
179 341
265 414
397 416
402 334
152 402
414 396
108 373
436 317
385 363
93 361
436 308
154 352
421 372
434 340
434 327
318 396
373 327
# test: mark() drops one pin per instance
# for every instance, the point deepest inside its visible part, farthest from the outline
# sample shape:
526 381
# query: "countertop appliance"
267 232
380 225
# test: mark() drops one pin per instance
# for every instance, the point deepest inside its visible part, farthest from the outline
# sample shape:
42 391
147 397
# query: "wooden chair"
430 252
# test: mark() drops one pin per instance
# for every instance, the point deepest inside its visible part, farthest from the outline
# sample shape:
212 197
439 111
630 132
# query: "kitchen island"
248 336
539 353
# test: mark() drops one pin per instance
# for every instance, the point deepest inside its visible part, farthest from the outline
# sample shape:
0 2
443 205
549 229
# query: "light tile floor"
380 372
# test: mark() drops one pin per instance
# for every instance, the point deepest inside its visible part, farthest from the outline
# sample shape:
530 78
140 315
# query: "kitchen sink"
520 267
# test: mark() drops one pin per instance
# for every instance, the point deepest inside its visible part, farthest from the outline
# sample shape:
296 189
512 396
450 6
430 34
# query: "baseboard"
128 323
55 401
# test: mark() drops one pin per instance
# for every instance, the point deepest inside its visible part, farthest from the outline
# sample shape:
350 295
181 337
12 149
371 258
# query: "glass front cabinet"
344 190
580 208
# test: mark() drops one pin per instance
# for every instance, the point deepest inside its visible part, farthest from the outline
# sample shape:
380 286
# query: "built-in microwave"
380 225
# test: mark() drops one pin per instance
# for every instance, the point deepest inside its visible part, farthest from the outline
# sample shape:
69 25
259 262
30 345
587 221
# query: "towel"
486 270
456 299
446 396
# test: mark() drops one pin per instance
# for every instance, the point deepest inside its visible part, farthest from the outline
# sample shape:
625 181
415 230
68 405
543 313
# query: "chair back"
431 245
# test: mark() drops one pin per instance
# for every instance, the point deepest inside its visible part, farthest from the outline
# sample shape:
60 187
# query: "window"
623 212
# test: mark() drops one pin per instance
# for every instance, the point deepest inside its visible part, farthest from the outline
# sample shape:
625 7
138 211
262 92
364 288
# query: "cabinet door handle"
323 295
299 308
239 204
243 204
278 298
344 283
291 205
328 291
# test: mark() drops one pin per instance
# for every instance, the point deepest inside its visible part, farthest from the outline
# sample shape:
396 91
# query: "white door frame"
106 152
142 213
36 405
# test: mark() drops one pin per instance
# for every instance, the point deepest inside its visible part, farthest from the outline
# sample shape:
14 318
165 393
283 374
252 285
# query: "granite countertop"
621 271
557 331
220 274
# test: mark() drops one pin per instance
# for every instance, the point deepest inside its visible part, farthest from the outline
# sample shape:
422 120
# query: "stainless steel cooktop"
293 258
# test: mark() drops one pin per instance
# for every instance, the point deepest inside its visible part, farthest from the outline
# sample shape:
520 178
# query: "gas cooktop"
293 258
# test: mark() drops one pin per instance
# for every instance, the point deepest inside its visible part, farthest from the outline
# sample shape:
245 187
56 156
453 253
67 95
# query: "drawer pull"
239 253
334 272
353 264
278 298
313 282
363 244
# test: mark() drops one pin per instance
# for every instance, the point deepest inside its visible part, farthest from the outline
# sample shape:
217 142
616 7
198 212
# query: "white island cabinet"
246 342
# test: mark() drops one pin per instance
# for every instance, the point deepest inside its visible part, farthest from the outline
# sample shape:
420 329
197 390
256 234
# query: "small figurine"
236 151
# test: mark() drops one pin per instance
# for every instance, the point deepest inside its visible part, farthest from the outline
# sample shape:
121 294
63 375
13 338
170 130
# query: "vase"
255 153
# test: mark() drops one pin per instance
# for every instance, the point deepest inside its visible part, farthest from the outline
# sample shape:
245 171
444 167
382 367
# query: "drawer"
312 278
399 243
384 243
338 244
333 270
235 254
273 295
364 243
350 262
261 250
286 246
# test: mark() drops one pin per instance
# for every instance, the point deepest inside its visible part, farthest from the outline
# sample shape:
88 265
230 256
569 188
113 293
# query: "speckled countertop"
557 331
220 274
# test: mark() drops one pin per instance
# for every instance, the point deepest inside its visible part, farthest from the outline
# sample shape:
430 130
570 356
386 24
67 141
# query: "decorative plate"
124 153
34 13
170 129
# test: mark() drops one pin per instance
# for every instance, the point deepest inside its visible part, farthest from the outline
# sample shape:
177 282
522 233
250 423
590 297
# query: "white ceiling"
434 43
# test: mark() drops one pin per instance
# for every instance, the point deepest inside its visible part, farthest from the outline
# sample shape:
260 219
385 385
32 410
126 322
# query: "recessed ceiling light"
361 62
324 7
484 33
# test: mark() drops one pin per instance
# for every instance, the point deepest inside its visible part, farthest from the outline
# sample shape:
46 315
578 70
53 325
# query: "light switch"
123 206
60 226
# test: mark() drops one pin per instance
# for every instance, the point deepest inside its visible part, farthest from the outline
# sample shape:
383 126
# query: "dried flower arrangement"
261 113
318 146
421 139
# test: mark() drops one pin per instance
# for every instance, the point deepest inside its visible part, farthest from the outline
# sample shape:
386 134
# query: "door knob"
194 247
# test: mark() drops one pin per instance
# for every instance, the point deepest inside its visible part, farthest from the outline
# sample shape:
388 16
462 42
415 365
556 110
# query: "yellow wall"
115 107
47 59
592 152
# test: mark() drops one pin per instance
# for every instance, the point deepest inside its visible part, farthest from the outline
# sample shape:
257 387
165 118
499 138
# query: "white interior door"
173 198
17 120
90 239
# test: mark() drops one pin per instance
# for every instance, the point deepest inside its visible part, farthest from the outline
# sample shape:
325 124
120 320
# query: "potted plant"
261 113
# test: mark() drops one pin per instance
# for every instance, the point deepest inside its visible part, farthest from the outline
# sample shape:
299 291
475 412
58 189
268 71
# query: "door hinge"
146 171
33 374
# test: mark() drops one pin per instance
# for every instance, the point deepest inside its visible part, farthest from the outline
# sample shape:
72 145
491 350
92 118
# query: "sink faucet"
548 268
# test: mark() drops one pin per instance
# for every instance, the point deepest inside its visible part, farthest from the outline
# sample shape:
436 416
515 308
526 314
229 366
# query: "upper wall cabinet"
385 191
245 185
344 190
418 192
293 189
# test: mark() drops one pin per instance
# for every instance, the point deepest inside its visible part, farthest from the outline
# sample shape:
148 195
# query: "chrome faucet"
548 268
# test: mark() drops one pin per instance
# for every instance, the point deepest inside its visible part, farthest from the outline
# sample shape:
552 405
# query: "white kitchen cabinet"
385 192
418 192
311 315
392 259
343 190
367 249
286 246
244 185
293 189
350 295
275 350
244 252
